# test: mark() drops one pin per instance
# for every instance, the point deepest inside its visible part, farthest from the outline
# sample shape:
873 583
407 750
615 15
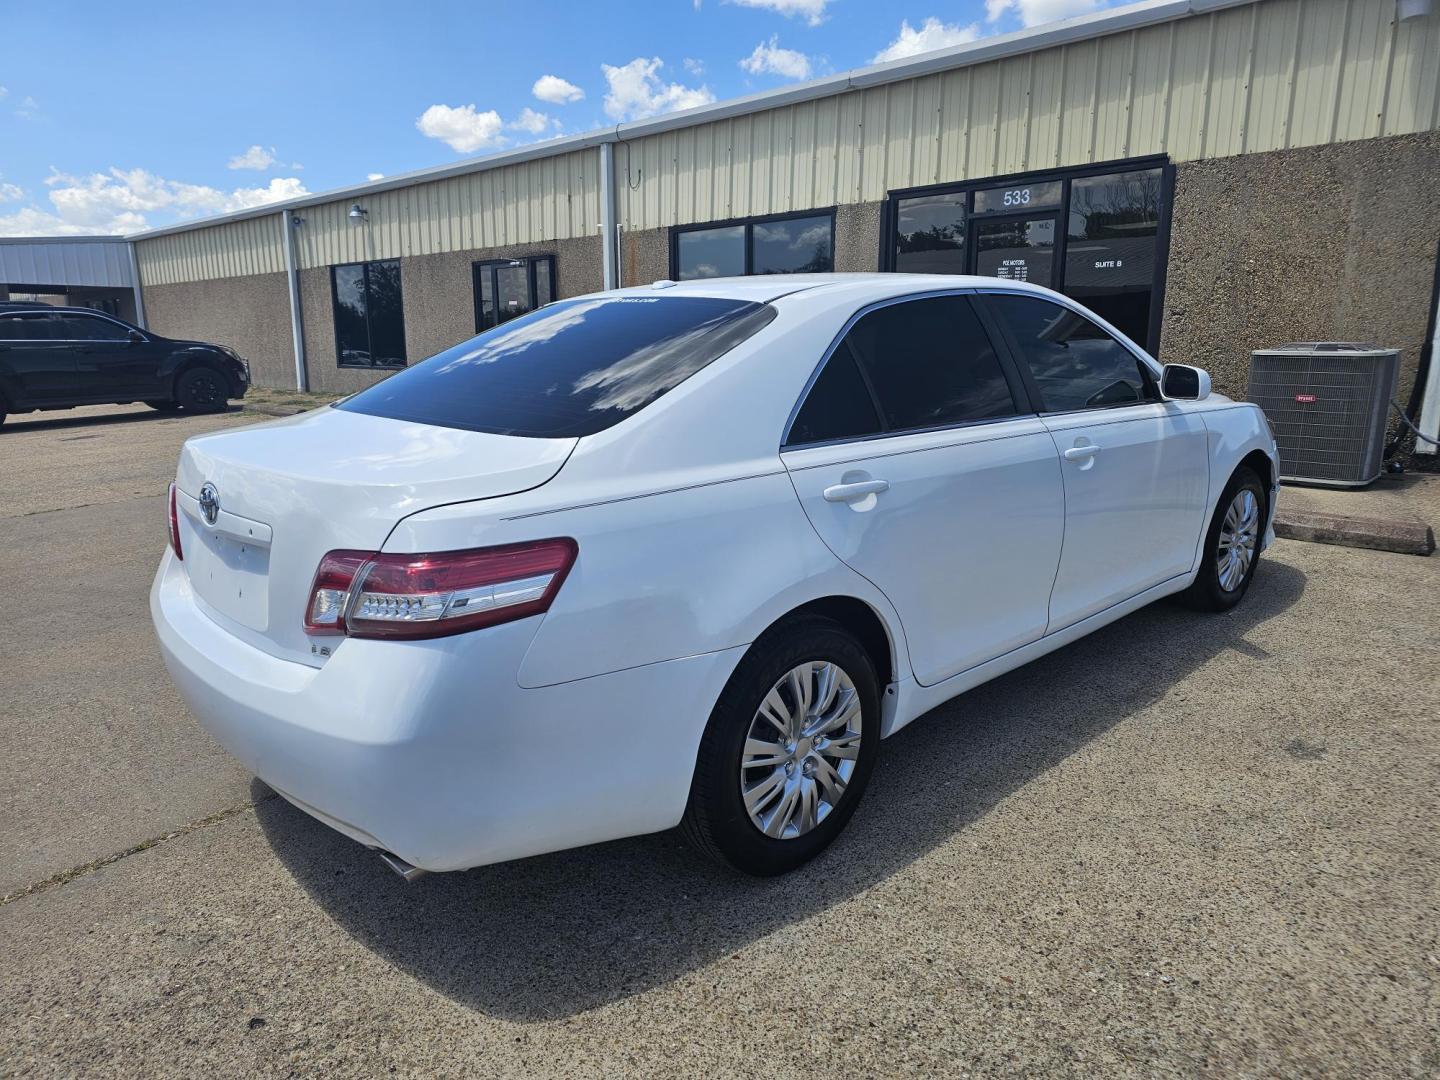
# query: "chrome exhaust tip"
399 865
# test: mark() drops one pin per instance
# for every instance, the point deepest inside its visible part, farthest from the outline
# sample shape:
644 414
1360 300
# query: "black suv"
57 358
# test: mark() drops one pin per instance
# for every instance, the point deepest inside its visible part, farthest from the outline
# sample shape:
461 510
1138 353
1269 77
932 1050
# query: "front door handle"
1081 453
858 490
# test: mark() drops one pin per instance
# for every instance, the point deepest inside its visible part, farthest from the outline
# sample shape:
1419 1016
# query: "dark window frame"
1020 391
369 332
999 331
747 223
889 219
530 261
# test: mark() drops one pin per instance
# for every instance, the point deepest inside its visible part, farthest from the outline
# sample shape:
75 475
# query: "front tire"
201 390
1232 545
788 750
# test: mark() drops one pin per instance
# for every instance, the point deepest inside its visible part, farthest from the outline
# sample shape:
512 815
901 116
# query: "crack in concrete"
86 869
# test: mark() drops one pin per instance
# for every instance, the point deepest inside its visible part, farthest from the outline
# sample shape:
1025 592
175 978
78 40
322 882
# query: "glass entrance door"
508 288
1016 248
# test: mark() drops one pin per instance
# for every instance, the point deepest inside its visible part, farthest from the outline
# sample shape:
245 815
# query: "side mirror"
1181 382
135 337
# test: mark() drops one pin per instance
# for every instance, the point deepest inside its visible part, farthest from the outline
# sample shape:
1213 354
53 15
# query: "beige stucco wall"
1325 243
439 300
249 314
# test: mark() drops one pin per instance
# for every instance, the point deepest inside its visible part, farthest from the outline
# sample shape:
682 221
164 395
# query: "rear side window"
89 328
27 327
1075 364
569 369
839 405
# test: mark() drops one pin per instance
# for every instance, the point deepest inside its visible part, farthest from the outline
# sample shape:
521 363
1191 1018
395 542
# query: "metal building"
1214 176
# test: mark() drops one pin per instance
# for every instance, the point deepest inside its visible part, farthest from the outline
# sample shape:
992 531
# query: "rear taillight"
370 595
175 525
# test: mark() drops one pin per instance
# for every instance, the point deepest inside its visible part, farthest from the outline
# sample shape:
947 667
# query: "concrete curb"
1373 534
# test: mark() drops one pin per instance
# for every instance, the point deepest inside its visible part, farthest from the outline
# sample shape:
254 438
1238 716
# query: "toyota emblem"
209 503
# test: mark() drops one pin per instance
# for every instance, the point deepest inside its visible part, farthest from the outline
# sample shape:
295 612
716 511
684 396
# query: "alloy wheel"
1239 537
801 750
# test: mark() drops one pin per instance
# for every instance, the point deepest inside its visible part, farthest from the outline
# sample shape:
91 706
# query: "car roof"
765 288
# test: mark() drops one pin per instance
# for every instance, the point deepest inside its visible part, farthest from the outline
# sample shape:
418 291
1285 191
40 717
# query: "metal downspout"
288 222
609 253
135 284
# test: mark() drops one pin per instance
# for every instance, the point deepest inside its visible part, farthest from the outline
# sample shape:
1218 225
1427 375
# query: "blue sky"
131 115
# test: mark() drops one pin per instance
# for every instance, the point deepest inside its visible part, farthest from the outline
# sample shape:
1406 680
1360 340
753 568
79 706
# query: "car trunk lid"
260 506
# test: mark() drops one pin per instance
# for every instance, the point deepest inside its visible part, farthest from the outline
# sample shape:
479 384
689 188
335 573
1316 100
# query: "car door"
108 364
1136 468
920 469
36 364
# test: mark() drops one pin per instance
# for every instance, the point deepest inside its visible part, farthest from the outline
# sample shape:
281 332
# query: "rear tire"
164 406
201 390
813 677
1232 545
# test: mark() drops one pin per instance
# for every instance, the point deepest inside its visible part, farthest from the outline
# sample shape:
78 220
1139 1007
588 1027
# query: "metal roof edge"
106 238
1079 28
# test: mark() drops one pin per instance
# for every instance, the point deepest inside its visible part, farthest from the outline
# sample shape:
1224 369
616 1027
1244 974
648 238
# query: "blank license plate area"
230 575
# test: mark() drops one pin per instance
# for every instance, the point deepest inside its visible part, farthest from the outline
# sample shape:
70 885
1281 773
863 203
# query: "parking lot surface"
1186 844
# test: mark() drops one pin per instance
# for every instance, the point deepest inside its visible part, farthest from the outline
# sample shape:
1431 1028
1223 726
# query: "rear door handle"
1080 453
851 492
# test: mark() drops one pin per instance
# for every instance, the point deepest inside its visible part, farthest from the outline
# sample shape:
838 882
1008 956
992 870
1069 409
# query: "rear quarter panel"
661 576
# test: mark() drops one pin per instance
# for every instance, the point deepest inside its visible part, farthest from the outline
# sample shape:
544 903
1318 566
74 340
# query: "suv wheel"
201 390
788 750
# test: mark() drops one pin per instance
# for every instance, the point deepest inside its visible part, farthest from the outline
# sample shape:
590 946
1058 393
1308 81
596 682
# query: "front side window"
89 328
570 369
369 314
1075 364
923 363
801 244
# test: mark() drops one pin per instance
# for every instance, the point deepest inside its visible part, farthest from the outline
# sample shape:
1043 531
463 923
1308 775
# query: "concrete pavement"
1187 844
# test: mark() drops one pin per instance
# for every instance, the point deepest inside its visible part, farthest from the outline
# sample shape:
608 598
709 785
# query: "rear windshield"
571 368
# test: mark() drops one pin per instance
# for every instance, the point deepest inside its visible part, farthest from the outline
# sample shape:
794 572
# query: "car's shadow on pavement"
18 423
555 935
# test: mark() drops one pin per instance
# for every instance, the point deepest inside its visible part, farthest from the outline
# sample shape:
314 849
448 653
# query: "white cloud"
770 58
932 35
257 157
1034 12
11 192
812 11
536 123
693 66
120 200
3 91
27 108
463 129
374 176
555 90
636 90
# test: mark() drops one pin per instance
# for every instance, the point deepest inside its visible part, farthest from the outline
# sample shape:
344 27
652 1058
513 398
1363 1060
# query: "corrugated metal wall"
103 263
235 249
544 199
1265 76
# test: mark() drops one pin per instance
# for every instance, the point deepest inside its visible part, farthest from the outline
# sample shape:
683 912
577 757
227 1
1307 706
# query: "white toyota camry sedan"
685 555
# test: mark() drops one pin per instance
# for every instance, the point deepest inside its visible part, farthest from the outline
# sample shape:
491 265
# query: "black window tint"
931 364
573 368
1076 365
838 406
930 234
90 328
369 314
707 253
22 327
792 246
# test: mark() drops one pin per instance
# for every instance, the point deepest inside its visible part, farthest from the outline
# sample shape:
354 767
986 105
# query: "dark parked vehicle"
57 358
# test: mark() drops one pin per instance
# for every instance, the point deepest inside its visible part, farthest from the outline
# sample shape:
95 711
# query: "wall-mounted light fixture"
358 213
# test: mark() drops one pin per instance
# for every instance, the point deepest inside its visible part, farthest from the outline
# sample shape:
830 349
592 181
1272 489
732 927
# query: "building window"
1095 234
369 314
507 288
801 243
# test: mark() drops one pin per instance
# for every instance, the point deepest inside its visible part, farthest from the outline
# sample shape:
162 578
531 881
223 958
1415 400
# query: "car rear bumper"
431 749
